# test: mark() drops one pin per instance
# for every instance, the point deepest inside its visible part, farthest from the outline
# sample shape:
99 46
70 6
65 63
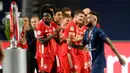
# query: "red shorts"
45 64
80 61
65 64
63 57
73 58
87 63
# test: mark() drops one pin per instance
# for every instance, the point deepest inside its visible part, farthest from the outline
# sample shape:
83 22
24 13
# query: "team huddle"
52 45
66 44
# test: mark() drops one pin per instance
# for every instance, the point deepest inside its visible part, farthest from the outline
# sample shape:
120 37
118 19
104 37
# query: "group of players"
64 43
53 39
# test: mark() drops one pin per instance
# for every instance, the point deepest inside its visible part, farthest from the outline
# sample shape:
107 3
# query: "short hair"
78 12
35 17
47 8
66 16
66 9
57 10
96 14
25 17
86 8
47 11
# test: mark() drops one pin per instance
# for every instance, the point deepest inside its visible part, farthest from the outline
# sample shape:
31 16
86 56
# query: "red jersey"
80 32
23 45
44 30
62 53
48 50
70 30
76 55
62 44
54 24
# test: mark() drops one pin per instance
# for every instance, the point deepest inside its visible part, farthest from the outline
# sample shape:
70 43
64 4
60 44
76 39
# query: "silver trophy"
6 22
15 57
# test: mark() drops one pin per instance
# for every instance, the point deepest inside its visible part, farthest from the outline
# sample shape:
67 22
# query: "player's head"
86 11
47 17
47 7
34 21
46 13
67 10
65 20
25 20
84 21
26 25
79 16
92 19
58 15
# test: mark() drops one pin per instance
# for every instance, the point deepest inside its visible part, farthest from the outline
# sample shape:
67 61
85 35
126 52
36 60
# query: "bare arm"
122 61
69 42
76 46
75 39
44 40
1 53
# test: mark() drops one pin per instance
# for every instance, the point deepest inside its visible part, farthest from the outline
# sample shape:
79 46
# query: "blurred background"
114 20
114 14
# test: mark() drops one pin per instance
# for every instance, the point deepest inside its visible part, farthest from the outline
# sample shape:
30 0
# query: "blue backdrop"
114 17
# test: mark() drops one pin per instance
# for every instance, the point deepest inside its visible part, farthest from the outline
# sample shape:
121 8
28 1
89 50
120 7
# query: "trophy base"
14 61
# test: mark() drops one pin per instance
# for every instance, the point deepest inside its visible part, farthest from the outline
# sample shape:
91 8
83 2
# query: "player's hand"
57 30
68 41
122 61
22 40
85 49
